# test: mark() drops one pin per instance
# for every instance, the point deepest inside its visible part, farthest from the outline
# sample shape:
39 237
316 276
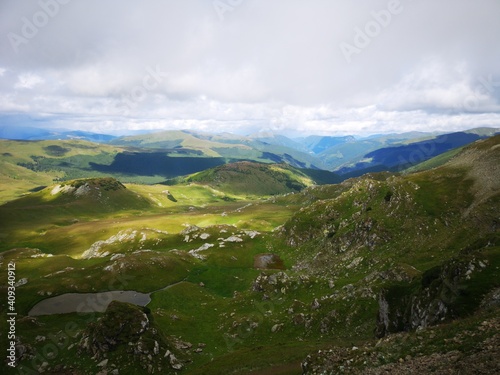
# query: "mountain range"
345 155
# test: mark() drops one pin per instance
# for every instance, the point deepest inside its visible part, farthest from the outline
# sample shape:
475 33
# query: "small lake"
91 302
87 302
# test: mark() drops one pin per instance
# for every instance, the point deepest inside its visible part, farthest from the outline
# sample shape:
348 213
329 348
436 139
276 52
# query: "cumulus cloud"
250 65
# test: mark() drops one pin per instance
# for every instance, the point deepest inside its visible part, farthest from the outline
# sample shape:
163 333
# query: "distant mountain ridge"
401 156
192 151
318 144
37 134
225 146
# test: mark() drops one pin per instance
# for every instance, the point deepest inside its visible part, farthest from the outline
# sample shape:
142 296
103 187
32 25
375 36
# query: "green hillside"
176 139
93 194
27 165
381 273
435 162
425 247
257 179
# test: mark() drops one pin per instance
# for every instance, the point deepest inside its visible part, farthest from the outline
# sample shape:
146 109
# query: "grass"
339 244
252 179
59 345
221 274
261 358
442 192
435 162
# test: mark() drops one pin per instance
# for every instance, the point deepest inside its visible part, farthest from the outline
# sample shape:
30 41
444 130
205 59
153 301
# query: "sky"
295 67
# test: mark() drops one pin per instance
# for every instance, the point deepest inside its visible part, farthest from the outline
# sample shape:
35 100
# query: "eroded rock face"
492 299
128 326
389 355
277 283
122 323
442 295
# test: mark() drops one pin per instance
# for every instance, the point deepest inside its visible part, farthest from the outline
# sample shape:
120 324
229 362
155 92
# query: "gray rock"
276 327
103 363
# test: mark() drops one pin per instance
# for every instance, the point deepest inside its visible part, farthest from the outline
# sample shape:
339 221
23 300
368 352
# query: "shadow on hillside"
157 164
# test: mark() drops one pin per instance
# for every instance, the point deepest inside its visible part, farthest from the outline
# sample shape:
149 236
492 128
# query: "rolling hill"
30 165
72 201
258 179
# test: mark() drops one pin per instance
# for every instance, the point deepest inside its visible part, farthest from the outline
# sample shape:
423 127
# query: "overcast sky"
289 66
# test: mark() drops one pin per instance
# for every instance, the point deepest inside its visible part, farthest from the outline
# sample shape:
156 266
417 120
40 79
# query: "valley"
250 268
234 187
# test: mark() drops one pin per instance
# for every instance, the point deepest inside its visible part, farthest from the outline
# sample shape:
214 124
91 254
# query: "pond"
87 302
92 302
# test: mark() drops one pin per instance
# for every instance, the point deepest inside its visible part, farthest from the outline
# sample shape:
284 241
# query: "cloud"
28 81
261 65
436 86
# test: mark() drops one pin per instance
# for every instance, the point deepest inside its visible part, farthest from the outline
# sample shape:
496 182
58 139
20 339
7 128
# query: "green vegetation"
251 178
435 162
413 259
27 166
230 148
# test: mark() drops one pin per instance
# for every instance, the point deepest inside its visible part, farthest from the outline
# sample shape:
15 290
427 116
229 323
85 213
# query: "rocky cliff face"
445 292
471 346
126 334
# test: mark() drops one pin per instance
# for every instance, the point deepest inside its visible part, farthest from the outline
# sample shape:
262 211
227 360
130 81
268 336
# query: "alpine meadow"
248 267
249 187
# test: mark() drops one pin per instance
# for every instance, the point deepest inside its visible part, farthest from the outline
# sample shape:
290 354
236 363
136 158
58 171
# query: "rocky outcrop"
273 283
122 323
443 294
268 261
127 328
98 249
403 353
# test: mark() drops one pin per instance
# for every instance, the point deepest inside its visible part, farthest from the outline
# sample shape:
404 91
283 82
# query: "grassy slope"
424 205
252 178
435 162
379 233
20 162
345 243
171 139
257 179
160 213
